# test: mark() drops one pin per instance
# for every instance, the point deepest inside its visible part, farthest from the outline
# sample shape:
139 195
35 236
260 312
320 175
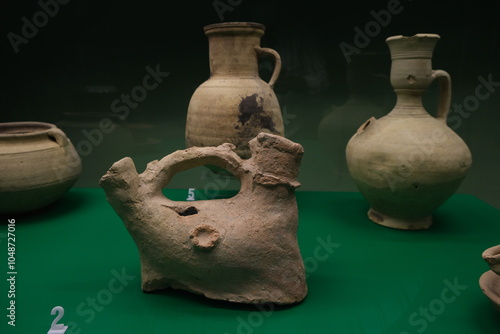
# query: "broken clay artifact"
407 163
241 249
234 105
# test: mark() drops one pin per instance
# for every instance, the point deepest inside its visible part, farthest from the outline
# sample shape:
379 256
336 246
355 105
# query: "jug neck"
408 103
411 71
411 66
232 48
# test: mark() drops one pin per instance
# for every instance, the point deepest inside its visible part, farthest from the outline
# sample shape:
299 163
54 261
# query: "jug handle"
444 93
277 62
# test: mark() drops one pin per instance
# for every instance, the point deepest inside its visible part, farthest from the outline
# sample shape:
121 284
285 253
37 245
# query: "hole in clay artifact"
411 79
189 211
365 125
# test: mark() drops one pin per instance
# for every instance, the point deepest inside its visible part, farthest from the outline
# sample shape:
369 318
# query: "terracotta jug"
408 163
38 164
242 249
234 104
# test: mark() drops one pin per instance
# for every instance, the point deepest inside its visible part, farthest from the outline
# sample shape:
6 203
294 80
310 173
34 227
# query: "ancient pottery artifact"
407 163
490 280
241 249
38 164
234 104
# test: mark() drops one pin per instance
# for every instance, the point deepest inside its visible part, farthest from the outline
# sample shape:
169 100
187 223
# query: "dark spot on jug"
249 107
253 115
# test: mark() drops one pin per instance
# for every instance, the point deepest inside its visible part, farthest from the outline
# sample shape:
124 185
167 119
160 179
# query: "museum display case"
117 80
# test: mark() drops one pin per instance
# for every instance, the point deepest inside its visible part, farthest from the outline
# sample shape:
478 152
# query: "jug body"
234 104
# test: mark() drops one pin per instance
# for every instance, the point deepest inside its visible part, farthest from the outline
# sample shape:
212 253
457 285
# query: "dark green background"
93 44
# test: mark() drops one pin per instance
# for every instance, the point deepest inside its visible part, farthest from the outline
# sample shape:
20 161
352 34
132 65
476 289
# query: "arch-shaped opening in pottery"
206 182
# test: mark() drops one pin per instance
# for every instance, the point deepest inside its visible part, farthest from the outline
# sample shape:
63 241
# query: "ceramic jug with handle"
234 104
409 162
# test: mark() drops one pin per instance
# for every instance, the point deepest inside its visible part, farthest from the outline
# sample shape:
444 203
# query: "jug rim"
416 36
232 25
418 46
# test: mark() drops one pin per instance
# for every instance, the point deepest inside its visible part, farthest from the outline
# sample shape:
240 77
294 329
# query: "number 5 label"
190 195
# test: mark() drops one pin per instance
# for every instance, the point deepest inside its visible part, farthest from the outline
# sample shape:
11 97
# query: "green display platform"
362 278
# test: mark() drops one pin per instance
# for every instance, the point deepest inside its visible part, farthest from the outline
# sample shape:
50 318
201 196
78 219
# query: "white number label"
190 194
55 327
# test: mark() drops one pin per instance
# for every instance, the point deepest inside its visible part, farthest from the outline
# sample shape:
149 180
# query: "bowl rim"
31 128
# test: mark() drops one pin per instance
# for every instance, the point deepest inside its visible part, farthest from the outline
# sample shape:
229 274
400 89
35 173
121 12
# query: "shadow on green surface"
188 297
349 211
483 314
66 205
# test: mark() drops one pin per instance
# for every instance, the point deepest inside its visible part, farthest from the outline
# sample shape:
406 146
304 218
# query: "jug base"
399 223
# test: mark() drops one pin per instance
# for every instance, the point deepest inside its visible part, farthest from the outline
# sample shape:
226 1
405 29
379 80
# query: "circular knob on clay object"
204 237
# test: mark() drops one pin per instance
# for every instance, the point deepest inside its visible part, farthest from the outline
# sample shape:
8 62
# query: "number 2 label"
55 327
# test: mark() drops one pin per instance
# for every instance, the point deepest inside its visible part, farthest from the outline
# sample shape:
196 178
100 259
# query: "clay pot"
490 280
234 104
241 249
408 163
38 164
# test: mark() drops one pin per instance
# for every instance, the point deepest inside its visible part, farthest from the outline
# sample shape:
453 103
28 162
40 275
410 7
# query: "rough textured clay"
241 249
407 163
234 104
490 280
38 164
